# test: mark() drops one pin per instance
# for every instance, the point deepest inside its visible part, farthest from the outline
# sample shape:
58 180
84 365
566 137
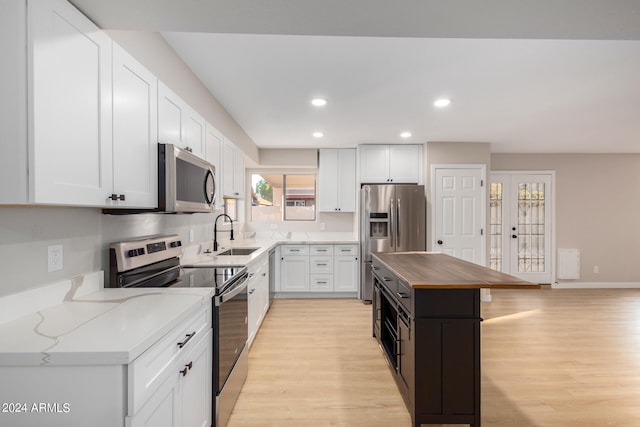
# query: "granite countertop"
109 326
432 270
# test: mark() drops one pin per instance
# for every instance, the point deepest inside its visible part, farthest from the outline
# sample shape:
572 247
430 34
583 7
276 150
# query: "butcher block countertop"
433 270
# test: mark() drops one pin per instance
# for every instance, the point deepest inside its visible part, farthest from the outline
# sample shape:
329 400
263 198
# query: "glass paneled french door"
520 227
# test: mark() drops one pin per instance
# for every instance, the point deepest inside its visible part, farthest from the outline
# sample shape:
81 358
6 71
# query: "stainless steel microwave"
186 183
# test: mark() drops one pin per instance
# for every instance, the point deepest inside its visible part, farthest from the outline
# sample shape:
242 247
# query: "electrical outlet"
596 269
54 258
322 226
274 226
191 236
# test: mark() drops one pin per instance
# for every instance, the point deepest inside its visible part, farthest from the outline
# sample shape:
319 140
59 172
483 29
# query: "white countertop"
196 256
109 326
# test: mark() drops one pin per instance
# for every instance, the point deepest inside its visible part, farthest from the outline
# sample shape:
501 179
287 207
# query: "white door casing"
458 206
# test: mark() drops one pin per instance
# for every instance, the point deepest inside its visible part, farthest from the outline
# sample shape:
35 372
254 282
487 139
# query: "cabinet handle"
189 149
116 197
264 274
189 336
252 291
386 279
184 372
321 283
190 365
401 295
319 264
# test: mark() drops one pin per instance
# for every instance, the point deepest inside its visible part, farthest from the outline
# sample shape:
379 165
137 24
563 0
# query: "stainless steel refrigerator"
392 219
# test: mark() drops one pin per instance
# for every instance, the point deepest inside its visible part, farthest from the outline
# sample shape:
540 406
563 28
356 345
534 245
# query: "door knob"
439 242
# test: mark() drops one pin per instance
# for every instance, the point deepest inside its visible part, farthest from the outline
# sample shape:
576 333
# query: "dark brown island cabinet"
426 318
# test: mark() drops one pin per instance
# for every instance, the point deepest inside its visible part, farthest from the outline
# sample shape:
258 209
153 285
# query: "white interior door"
521 225
459 211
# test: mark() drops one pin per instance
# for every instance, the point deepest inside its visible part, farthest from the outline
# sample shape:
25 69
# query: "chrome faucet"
215 231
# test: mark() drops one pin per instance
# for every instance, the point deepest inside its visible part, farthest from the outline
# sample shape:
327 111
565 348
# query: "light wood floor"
549 358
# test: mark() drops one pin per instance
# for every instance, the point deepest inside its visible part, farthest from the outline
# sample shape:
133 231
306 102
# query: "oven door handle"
233 290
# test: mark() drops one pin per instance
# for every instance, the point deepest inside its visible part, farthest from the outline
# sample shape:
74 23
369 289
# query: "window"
283 197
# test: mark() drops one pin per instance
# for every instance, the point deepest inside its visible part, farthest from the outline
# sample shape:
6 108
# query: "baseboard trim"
596 285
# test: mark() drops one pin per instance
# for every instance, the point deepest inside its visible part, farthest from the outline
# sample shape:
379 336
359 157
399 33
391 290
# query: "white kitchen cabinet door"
391 164
337 180
345 274
196 385
232 171
135 138
70 143
294 274
374 164
405 162
170 117
195 128
162 409
213 146
238 173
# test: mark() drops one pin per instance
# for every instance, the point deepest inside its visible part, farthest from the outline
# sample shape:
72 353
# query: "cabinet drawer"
321 264
321 249
321 283
346 250
404 295
294 250
150 369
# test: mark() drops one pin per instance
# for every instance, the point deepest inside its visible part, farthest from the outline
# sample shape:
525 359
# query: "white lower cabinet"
318 268
182 400
169 384
258 294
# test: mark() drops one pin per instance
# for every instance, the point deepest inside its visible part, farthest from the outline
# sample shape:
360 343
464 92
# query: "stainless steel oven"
230 332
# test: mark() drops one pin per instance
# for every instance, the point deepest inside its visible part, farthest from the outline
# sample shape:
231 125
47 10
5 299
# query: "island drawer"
404 295
385 277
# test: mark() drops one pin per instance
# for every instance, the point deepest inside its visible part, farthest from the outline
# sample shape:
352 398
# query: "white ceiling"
526 76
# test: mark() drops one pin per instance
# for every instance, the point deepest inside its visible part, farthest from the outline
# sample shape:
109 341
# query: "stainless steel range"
154 261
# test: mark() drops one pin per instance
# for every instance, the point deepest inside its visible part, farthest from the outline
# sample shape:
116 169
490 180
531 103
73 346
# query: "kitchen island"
426 318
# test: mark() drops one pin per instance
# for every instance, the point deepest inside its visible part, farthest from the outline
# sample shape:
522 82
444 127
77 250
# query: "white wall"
597 209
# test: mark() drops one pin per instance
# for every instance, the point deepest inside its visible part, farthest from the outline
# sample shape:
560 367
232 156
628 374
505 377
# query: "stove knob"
175 244
132 253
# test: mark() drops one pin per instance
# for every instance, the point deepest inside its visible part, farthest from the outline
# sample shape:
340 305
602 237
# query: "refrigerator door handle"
392 225
398 244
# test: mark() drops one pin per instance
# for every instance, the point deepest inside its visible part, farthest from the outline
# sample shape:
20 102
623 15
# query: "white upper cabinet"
135 139
214 141
170 117
232 171
178 123
392 164
57 100
337 180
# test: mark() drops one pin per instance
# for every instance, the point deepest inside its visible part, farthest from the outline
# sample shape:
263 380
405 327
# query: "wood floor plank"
549 358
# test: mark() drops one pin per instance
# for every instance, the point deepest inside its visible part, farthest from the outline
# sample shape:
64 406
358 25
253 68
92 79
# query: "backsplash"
84 233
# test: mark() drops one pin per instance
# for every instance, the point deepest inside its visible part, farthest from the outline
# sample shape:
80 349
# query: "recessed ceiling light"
442 102
405 135
319 102
318 134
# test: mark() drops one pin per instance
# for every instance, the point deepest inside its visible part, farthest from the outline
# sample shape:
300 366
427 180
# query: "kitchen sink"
238 251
